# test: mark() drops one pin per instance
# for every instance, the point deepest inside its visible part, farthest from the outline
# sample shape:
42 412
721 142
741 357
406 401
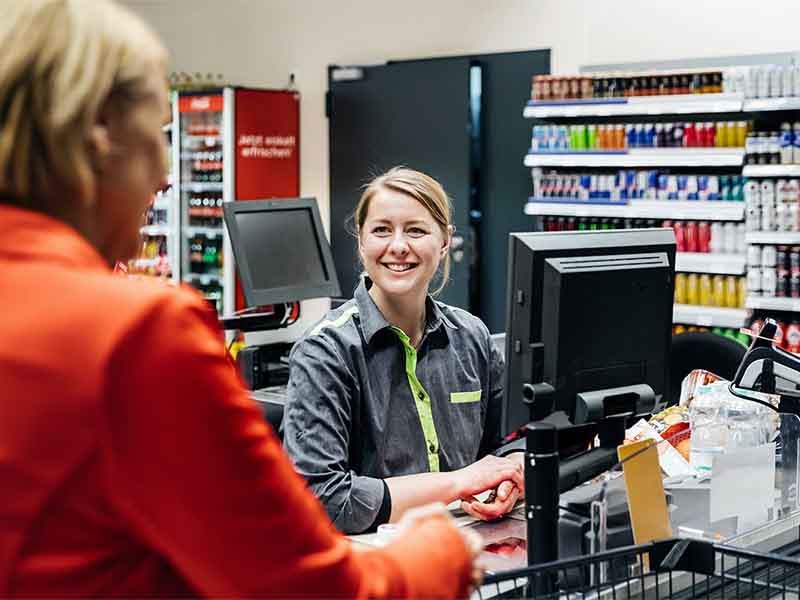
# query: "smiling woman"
394 398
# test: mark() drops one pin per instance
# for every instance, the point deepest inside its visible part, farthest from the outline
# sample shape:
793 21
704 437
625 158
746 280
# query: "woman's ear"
447 239
99 146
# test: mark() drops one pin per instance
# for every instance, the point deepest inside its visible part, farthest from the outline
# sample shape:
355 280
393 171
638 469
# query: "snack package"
672 424
669 459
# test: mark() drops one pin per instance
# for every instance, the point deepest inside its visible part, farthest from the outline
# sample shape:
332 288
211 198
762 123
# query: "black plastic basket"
666 569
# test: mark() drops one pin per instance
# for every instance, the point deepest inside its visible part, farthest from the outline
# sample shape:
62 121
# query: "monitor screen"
281 248
587 311
281 251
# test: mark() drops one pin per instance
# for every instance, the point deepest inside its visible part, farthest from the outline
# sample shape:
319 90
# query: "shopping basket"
678 568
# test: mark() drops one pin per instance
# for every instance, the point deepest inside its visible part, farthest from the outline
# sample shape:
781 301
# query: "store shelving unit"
709 316
642 209
770 104
719 157
640 157
773 303
773 237
642 105
712 263
771 171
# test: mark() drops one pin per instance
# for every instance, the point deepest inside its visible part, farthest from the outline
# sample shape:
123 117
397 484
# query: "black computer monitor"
281 250
587 311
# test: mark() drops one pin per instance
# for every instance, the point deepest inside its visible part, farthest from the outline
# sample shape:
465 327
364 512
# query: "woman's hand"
472 539
502 499
487 474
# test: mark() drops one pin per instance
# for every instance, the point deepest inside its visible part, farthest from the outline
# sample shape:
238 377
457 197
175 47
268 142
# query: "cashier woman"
394 397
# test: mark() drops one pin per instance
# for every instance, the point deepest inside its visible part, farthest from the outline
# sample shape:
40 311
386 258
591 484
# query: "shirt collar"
31 235
373 321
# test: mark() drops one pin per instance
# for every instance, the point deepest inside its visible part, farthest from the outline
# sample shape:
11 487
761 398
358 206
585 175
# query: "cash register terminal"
282 256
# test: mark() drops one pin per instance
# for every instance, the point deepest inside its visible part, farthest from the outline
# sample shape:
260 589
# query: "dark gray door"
412 113
504 183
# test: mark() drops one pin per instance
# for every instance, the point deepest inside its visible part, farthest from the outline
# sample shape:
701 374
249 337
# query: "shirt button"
421 395
432 448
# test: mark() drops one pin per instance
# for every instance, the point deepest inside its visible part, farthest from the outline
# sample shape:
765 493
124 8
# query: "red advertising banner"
267 147
267 144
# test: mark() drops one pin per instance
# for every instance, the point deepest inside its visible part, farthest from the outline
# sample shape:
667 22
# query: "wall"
259 42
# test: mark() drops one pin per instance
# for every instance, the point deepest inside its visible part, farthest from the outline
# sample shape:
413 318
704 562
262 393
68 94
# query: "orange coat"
133 463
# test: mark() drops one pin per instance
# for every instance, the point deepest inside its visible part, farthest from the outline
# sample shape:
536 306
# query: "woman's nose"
399 245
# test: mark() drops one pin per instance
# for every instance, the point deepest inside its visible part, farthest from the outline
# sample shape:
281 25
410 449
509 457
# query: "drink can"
591 137
769 257
769 281
754 256
680 288
782 217
794 259
705 294
763 80
730 237
752 218
680 237
741 291
703 237
672 187
776 82
713 187
717 290
753 282
741 238
731 291
768 217
752 192
690 231
717 241
782 285
788 80
782 258
794 285
692 289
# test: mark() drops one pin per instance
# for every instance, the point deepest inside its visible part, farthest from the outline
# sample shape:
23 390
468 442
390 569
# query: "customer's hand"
472 539
487 474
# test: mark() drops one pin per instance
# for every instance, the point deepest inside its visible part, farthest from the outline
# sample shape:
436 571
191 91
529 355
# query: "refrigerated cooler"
233 144
159 256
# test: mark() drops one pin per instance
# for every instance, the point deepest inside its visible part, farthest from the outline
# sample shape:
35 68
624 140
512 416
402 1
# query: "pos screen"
281 250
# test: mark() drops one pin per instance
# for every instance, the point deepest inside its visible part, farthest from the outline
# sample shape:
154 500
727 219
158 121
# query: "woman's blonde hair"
424 189
61 61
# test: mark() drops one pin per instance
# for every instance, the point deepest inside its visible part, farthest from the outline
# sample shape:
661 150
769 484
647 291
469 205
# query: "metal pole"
541 498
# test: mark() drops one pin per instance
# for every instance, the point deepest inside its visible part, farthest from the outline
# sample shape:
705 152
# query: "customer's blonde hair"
61 61
423 188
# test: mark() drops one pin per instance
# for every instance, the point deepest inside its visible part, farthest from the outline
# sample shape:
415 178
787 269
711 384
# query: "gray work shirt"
364 405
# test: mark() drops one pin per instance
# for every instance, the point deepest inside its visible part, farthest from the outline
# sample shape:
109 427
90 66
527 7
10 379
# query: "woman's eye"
380 230
416 232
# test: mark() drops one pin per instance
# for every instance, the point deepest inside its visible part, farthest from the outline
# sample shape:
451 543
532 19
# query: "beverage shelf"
203 278
773 303
772 237
643 209
639 105
713 263
771 171
640 157
759 104
207 231
201 186
154 230
708 316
